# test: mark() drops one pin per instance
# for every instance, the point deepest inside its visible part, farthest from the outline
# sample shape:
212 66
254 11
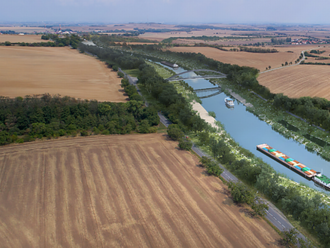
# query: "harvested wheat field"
118 191
298 81
256 60
29 30
21 38
56 70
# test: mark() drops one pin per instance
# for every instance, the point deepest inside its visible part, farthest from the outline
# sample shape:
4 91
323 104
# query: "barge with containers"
296 166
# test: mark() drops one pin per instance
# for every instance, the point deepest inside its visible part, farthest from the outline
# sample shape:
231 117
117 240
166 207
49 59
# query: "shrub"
211 113
144 126
96 131
152 129
185 144
84 133
61 132
105 132
174 132
136 97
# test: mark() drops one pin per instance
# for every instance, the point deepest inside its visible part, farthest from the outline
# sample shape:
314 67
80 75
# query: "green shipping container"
289 159
272 150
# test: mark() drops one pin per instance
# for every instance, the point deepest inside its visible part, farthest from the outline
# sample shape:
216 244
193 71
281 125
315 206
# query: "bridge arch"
208 92
178 76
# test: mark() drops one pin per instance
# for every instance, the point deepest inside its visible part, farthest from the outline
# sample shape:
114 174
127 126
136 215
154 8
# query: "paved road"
274 215
133 81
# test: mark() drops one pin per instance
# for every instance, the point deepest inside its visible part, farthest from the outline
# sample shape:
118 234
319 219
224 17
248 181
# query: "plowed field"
298 81
56 70
117 191
21 38
256 60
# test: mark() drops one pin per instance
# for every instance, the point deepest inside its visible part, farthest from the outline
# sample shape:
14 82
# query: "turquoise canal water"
249 131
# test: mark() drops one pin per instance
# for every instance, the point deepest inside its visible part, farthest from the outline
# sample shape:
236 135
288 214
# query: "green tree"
259 207
289 238
241 193
204 138
144 126
174 132
185 144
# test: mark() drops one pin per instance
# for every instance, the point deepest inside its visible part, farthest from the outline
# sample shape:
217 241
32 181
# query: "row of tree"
25 119
72 40
34 44
113 58
257 50
317 51
276 41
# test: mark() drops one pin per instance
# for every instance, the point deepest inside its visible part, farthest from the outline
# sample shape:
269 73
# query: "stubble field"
21 38
56 70
117 191
256 60
298 81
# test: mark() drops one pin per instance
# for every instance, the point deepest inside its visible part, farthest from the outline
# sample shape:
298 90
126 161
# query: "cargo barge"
296 166
169 64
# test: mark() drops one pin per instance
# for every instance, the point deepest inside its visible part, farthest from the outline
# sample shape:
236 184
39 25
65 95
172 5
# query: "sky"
167 11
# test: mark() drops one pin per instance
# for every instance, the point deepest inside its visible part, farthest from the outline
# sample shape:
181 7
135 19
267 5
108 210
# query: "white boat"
229 102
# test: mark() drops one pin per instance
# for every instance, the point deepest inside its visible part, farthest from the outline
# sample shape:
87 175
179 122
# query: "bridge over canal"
208 92
179 77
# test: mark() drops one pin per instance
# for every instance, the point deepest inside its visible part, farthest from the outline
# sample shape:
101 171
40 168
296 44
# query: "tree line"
72 40
69 40
112 57
275 41
29 118
257 50
33 44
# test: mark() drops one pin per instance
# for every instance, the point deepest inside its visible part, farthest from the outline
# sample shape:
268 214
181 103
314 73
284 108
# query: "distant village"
302 41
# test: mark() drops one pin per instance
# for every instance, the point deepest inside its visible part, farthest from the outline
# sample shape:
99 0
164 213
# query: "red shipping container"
291 163
313 171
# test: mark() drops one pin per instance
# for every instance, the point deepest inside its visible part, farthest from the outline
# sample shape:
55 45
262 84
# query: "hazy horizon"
250 12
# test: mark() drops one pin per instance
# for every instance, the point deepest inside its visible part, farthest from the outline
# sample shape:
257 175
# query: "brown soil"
55 70
298 81
256 60
224 42
21 38
118 191
325 54
29 30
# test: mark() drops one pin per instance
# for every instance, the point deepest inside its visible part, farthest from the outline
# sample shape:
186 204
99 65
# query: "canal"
246 129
